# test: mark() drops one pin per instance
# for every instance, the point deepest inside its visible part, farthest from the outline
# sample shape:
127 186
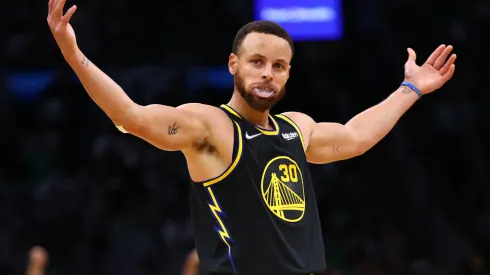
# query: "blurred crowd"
101 202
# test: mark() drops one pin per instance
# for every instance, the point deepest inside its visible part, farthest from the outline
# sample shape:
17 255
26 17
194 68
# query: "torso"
253 205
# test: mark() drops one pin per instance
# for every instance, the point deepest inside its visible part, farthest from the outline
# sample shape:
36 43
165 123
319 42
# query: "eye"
278 66
255 61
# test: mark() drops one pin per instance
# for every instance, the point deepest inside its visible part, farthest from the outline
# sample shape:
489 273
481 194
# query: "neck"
253 116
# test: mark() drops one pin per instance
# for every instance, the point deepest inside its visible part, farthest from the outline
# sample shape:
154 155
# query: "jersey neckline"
264 131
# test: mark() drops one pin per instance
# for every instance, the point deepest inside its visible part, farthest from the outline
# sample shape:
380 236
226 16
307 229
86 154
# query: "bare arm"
329 142
165 127
106 93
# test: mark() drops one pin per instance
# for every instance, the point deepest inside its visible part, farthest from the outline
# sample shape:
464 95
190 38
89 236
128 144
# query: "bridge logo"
283 189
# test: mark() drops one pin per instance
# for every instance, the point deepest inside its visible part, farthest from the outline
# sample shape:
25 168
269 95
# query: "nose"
267 73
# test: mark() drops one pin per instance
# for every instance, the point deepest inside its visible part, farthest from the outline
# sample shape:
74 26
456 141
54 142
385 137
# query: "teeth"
263 90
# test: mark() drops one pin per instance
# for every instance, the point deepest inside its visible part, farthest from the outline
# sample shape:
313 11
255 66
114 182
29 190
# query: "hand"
434 73
60 27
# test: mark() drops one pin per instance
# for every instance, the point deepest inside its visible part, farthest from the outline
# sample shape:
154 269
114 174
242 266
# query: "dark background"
105 203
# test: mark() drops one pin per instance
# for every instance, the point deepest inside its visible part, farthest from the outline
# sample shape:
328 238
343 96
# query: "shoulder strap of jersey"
237 154
230 112
291 122
234 115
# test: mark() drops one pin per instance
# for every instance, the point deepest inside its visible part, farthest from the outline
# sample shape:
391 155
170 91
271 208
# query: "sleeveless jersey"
260 216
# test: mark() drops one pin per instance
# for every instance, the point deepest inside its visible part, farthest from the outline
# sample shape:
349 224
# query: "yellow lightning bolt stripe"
215 209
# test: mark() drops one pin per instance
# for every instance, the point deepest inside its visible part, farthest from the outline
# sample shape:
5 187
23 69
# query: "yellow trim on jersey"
263 131
215 209
233 164
288 120
270 132
229 109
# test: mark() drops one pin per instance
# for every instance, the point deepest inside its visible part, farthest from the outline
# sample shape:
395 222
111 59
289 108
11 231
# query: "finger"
58 9
50 7
449 74
432 58
412 56
66 18
448 64
442 58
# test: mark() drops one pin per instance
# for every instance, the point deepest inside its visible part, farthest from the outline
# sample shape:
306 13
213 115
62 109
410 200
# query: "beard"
258 104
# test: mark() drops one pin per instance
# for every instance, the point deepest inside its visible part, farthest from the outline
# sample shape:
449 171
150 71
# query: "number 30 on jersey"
290 173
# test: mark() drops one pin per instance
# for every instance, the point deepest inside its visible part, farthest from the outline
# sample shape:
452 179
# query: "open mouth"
264 92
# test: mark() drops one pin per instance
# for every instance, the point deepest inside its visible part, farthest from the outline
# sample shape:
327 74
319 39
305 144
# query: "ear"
233 64
289 71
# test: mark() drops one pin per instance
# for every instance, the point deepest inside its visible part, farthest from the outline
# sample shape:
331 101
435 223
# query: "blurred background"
101 202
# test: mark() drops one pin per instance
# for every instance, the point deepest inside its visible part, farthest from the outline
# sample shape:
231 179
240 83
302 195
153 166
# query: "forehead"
268 45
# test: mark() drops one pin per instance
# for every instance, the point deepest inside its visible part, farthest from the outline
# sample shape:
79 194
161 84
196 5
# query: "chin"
262 104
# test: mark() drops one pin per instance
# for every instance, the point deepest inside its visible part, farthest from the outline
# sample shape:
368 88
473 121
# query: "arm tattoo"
173 130
85 61
335 148
406 90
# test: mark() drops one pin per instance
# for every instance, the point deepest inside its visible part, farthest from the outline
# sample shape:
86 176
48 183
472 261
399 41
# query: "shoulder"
201 109
304 122
210 115
299 118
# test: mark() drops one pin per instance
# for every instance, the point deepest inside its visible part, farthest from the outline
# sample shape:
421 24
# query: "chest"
267 149
276 167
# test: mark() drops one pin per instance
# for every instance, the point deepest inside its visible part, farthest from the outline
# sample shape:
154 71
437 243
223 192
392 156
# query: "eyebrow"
261 56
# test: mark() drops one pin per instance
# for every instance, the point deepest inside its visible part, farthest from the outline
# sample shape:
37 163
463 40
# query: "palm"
59 25
434 73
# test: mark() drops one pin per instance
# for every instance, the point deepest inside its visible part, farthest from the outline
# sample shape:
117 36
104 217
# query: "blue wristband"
411 86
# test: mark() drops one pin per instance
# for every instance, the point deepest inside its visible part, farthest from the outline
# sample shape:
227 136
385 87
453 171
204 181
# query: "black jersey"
260 216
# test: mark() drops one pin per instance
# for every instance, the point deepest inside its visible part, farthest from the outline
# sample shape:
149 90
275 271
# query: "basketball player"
253 204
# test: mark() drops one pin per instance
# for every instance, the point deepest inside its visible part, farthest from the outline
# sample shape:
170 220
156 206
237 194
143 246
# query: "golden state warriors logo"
283 190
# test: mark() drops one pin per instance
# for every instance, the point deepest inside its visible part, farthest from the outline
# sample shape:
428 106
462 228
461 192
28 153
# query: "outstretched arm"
328 142
165 127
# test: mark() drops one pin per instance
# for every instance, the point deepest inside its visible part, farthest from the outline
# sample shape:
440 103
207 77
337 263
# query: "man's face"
261 69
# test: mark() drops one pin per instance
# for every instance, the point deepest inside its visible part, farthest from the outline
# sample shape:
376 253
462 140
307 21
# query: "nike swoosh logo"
252 136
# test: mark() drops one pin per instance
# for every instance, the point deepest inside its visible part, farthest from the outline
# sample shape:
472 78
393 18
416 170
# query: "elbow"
129 121
361 150
359 141
363 145
132 126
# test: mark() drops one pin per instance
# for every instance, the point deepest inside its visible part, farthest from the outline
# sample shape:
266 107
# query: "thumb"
412 56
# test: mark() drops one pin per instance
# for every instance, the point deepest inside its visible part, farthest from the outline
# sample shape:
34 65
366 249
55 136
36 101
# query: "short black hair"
261 26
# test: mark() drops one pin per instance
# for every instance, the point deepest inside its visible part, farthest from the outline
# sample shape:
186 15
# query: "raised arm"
165 127
328 142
